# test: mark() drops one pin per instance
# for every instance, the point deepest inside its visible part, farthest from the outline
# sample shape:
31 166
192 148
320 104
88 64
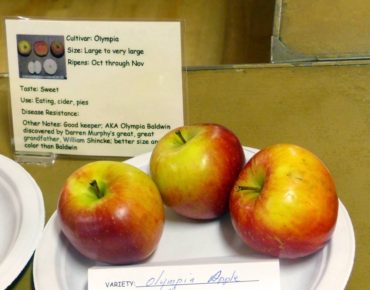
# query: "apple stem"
178 133
241 187
99 194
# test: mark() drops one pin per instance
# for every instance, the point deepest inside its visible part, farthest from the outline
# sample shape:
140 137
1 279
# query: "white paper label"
103 88
261 275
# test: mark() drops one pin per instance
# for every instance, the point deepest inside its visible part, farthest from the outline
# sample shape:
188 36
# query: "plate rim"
344 264
24 245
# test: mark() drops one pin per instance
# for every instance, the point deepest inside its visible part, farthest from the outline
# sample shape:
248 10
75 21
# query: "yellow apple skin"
124 225
284 203
195 177
24 47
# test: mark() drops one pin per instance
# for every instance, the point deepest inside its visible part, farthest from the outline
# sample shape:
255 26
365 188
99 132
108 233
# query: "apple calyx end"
178 133
94 184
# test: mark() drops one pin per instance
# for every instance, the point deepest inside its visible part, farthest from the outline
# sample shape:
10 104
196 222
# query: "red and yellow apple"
57 48
195 168
41 48
284 202
111 212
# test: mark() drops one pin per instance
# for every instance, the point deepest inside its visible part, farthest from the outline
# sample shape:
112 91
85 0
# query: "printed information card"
261 275
101 88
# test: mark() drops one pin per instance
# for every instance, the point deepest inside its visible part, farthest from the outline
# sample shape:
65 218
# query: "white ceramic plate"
22 217
58 266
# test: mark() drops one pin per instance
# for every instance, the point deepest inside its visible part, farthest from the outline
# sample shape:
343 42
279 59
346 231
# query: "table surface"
324 108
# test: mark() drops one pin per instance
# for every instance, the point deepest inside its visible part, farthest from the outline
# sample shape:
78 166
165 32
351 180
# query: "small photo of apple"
41 56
